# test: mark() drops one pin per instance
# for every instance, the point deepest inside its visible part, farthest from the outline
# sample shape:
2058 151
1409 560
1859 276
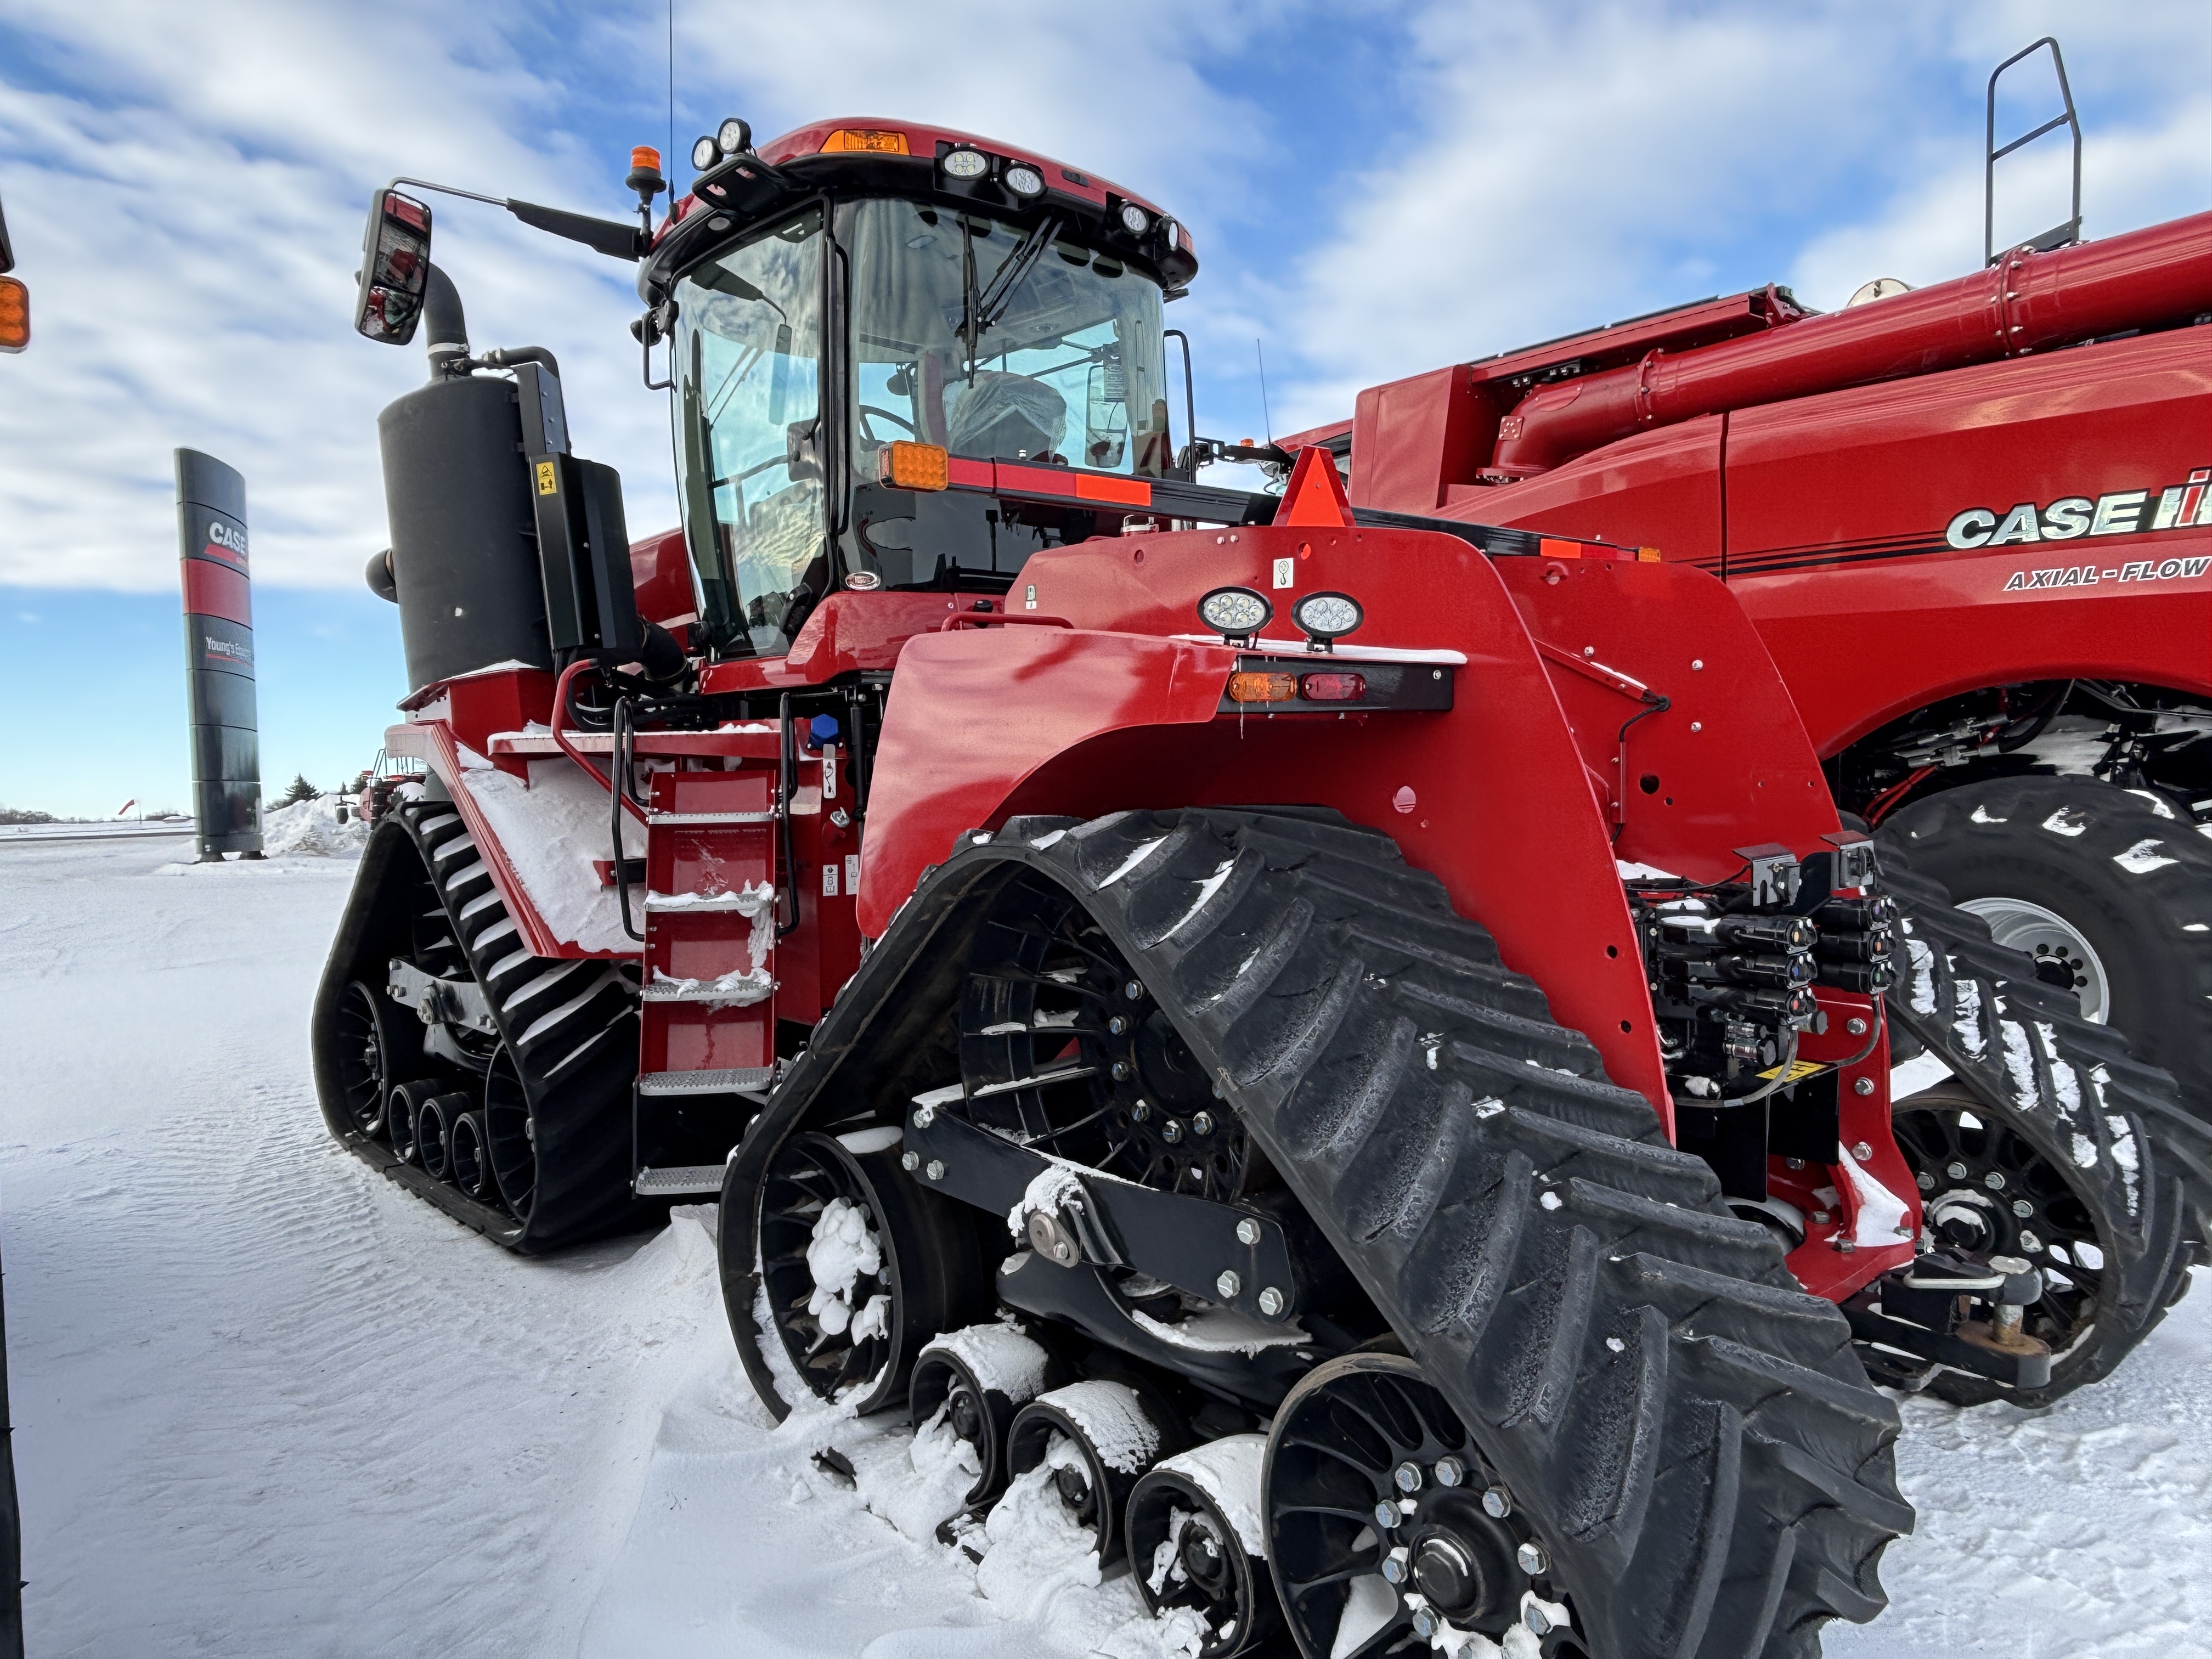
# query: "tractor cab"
904 358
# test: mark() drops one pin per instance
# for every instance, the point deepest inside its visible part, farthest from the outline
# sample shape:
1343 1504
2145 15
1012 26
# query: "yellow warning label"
548 479
1799 1070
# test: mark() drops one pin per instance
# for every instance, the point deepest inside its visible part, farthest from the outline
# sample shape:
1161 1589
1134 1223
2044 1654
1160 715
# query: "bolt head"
1532 1558
1498 1502
1134 991
1229 1283
1117 1026
1861 1152
924 1117
1822 1217
1202 1123
1926 1181
2029 1241
2023 1208
1863 1086
1248 1231
1449 1471
1956 1171
1271 1302
1793 1163
1171 1131
1141 1112
1398 1565
1426 1624
1856 1026
935 1170
909 1160
1119 1071
1386 1515
1407 1477
1539 1621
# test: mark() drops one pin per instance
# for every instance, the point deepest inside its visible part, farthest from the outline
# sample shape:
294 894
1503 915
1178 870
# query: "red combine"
1355 1053
1973 525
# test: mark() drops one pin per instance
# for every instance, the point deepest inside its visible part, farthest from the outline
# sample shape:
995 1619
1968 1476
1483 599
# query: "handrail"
561 738
991 618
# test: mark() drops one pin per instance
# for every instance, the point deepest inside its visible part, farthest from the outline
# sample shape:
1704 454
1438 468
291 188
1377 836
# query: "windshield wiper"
979 312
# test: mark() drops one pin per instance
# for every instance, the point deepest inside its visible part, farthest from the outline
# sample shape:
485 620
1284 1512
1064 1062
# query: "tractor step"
685 1178
729 1081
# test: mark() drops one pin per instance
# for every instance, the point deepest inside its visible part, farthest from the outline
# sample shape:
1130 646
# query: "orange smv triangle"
1316 494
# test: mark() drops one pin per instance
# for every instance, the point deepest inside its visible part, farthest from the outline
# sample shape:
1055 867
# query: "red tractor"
1972 524
1354 1049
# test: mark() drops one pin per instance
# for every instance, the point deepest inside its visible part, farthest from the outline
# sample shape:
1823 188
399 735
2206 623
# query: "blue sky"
1376 188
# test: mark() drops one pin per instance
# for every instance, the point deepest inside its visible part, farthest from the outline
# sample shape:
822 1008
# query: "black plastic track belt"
1693 1434
570 1023
2116 1126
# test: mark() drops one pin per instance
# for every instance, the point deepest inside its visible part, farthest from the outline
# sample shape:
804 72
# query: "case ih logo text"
220 534
2178 506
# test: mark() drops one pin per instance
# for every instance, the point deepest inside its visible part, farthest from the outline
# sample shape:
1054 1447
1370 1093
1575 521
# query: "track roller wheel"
1095 1438
1388 1527
860 1269
975 1379
465 1152
434 1134
1187 1527
379 1046
402 1117
510 1136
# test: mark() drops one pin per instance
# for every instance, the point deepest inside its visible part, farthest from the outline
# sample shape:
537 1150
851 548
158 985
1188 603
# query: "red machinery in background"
1354 1053
1971 523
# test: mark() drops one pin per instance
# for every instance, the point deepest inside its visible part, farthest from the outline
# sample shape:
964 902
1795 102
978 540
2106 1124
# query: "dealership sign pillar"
219 656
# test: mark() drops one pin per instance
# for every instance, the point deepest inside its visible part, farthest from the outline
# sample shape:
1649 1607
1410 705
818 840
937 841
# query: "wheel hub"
1075 1492
965 1413
2055 942
1204 1559
1463 1561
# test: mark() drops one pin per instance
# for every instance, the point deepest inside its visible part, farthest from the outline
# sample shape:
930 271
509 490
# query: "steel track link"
2129 1146
1694 1434
570 1023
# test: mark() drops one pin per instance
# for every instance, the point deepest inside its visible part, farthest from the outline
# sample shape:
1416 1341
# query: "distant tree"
23 815
300 789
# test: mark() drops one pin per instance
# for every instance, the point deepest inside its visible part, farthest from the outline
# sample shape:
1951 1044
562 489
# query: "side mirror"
395 268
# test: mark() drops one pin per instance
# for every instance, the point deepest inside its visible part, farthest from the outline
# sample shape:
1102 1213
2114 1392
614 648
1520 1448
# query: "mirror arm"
608 236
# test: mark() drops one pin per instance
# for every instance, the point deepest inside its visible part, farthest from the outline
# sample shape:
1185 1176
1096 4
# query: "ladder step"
682 819
703 991
706 1083
755 899
682 1178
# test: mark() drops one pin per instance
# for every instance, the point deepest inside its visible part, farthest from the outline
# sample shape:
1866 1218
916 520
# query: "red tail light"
1332 688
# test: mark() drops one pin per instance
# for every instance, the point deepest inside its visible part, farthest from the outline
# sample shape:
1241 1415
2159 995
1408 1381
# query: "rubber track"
2075 1092
1686 1426
571 1023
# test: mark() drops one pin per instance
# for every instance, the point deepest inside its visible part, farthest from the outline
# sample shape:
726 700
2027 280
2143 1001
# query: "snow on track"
267 1404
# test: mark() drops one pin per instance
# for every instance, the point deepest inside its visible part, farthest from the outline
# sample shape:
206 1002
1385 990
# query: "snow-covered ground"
267 1404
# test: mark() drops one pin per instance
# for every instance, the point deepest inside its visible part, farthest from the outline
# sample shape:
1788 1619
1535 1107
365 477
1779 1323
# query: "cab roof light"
905 465
15 314
1135 219
734 136
964 162
1024 180
705 152
871 141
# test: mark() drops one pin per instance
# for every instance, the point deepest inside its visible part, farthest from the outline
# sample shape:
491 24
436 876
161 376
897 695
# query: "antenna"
1267 420
672 94
2059 234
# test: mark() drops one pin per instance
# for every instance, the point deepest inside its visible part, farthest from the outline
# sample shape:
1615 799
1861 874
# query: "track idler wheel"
976 1379
1186 1528
1097 1438
861 1267
379 1044
1385 1521
465 1152
510 1136
402 1117
434 1134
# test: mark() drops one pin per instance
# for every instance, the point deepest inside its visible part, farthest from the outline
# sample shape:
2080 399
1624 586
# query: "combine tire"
1692 1435
2105 887
554 1082
2050 1141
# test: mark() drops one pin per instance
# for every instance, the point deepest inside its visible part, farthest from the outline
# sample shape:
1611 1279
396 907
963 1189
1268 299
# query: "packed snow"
267 1404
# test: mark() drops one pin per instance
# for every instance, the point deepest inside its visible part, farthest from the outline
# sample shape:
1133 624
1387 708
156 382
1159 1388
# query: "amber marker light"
904 466
1262 688
15 314
872 141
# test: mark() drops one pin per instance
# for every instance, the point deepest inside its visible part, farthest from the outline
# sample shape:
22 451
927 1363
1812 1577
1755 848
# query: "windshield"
749 345
1000 342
